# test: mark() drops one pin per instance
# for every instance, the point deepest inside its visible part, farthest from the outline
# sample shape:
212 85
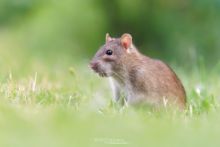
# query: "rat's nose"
94 65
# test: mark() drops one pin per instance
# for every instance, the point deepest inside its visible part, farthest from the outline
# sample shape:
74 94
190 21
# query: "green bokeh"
49 97
177 31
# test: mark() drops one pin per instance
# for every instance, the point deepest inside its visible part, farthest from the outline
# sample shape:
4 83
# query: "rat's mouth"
99 71
102 74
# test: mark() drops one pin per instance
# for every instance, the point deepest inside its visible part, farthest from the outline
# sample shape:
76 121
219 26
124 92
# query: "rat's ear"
126 40
107 38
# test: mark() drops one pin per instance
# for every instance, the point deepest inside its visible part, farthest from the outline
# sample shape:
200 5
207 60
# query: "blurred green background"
180 31
49 97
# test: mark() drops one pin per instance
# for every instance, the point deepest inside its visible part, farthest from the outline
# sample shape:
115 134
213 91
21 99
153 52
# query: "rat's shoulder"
154 64
151 61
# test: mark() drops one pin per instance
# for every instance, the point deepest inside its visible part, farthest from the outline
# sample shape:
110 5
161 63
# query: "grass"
53 101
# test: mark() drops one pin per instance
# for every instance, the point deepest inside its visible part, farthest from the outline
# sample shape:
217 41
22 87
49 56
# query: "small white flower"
198 89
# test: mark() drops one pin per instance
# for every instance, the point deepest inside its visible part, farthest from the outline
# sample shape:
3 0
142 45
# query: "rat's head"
109 58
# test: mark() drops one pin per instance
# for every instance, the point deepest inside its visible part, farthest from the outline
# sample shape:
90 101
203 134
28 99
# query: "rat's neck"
130 62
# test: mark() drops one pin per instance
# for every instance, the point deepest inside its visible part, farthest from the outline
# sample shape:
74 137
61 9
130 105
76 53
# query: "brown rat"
141 78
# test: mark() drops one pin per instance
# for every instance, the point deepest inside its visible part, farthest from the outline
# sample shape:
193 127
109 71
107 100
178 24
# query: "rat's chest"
130 92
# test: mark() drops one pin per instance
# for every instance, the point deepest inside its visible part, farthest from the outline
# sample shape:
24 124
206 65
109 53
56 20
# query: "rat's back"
156 82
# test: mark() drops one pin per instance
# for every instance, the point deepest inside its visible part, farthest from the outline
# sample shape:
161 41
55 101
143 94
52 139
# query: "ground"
57 101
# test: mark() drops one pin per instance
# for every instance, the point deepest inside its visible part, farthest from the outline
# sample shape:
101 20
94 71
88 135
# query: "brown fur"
142 78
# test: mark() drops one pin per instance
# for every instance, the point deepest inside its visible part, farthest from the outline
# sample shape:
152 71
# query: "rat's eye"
109 52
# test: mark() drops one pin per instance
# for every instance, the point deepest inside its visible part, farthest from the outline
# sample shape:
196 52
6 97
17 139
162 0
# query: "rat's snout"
94 65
